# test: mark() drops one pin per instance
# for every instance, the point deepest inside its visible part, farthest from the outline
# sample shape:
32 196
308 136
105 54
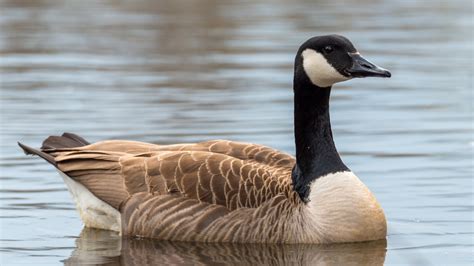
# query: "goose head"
329 59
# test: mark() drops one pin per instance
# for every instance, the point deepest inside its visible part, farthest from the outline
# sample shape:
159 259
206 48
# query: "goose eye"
328 49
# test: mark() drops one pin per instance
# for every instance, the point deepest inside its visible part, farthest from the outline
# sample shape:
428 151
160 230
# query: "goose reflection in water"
108 248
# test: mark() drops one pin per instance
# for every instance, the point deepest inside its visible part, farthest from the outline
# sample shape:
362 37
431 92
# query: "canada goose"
226 191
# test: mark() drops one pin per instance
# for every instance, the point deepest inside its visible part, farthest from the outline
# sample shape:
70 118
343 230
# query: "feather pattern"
225 173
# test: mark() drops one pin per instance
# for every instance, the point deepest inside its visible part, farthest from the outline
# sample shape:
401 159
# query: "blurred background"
187 71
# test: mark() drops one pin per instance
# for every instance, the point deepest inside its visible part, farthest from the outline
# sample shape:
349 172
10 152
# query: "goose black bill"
362 68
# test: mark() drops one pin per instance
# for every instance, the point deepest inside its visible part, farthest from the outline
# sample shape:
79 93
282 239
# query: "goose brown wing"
206 176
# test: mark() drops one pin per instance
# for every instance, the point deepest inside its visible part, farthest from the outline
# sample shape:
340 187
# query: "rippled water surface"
186 71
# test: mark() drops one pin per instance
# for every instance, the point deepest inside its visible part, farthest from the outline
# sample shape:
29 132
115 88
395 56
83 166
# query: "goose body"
226 191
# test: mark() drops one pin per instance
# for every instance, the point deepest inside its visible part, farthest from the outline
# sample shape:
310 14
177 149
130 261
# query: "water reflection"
106 247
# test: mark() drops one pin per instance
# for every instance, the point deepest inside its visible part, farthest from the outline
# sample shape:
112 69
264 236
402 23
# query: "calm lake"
187 71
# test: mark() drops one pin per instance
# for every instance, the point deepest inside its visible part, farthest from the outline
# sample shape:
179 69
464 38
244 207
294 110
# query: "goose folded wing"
209 177
205 176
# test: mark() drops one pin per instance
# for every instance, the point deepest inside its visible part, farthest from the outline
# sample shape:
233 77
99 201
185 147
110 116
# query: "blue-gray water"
186 71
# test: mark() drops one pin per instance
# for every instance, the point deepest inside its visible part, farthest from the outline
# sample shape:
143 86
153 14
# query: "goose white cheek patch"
319 71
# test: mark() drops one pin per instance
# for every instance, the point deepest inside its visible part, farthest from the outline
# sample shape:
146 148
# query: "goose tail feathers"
65 141
32 151
92 190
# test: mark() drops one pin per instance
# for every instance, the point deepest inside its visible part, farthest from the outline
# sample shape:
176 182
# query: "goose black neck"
316 154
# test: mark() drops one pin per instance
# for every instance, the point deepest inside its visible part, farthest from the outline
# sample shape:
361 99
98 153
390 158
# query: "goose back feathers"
226 173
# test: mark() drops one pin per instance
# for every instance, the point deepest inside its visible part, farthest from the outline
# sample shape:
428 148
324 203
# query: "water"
186 71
